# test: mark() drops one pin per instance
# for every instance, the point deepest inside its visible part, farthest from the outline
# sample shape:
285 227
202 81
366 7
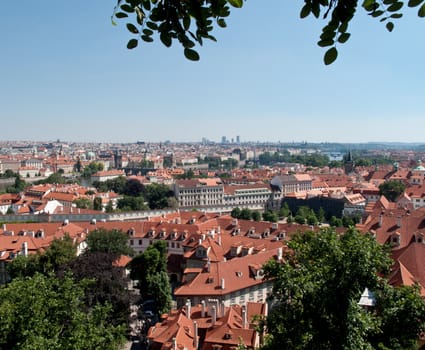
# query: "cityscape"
222 213
212 175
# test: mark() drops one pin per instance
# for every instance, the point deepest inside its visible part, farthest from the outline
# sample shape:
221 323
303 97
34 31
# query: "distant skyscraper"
223 139
238 139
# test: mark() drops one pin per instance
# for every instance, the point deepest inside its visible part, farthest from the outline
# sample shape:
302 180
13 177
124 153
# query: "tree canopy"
391 189
150 269
317 289
192 22
108 241
44 312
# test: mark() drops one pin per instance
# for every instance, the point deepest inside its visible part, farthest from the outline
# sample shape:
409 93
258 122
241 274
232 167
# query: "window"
131 242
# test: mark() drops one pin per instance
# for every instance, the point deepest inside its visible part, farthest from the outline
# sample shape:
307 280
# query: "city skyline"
70 77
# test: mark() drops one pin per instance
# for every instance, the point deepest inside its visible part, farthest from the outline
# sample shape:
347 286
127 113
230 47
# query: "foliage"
270 216
133 187
150 269
391 189
55 178
60 252
317 288
157 195
97 203
83 203
108 241
117 185
92 168
191 22
18 185
110 283
8 174
245 214
43 312
256 215
236 213
128 203
284 211
311 160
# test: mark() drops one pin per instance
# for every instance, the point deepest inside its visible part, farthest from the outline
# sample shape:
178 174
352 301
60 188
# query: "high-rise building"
238 139
223 139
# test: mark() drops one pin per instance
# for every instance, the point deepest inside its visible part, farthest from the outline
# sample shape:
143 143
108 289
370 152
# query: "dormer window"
130 232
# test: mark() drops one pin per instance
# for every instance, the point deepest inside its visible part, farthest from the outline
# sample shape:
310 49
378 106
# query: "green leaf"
390 26
147 5
191 54
343 37
147 38
369 5
305 11
326 42
330 56
414 3
186 22
165 39
315 9
396 15
132 43
147 32
127 8
389 2
395 7
152 25
377 13
132 28
343 27
121 15
235 3
221 23
421 12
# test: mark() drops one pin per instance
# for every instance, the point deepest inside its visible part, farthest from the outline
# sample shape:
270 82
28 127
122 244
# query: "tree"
83 203
128 203
150 269
108 241
256 216
192 22
245 214
97 203
235 213
92 168
284 211
60 252
44 312
133 187
391 189
157 195
110 283
109 207
316 292
270 216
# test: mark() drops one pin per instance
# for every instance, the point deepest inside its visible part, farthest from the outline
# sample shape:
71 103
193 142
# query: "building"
199 192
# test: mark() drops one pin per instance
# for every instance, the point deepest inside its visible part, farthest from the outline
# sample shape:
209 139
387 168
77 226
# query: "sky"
65 73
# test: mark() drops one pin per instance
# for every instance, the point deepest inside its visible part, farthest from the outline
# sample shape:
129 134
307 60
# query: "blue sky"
66 73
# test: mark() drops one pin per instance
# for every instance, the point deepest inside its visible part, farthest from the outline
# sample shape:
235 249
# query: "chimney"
203 308
279 253
222 283
208 265
219 239
380 220
4 227
174 344
244 318
188 308
195 336
223 308
214 315
25 249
